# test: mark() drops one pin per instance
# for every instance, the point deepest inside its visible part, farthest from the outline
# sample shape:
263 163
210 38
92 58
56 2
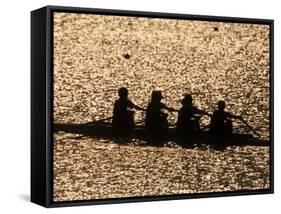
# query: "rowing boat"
105 130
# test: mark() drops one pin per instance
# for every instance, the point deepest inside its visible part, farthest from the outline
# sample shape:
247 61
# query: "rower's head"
187 100
156 96
123 93
221 105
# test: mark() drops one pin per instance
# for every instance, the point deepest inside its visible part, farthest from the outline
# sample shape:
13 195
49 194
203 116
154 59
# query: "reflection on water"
211 60
91 169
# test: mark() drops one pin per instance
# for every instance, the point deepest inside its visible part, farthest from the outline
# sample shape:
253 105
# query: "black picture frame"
42 104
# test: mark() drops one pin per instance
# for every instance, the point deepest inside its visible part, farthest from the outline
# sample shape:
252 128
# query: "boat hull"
105 130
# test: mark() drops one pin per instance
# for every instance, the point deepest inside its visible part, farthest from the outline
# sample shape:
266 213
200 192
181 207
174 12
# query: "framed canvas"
133 106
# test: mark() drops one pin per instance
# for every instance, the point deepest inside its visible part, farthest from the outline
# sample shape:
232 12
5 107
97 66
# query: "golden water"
177 57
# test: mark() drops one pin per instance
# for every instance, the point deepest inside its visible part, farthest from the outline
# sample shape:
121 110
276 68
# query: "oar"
101 120
250 127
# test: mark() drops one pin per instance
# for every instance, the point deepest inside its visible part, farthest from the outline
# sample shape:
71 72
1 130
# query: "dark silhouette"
104 130
156 122
157 131
188 120
221 125
123 116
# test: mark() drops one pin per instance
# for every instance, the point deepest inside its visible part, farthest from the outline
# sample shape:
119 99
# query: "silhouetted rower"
123 116
221 124
156 122
188 118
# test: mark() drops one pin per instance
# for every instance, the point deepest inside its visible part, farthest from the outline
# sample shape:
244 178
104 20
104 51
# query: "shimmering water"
211 60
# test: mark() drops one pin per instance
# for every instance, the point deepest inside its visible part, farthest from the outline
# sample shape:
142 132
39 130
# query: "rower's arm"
171 109
139 108
235 116
132 105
